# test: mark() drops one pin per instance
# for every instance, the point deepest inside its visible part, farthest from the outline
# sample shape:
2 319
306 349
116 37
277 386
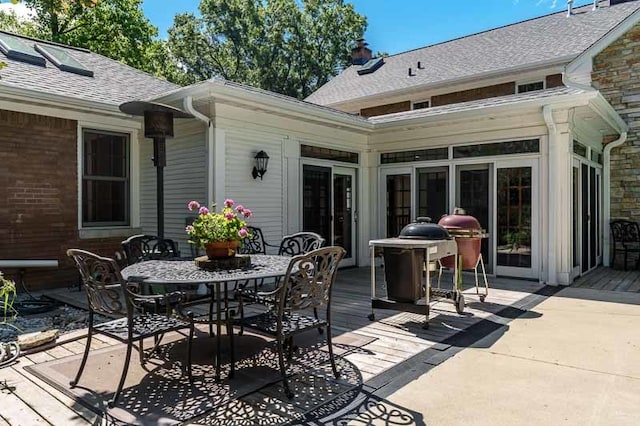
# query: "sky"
396 26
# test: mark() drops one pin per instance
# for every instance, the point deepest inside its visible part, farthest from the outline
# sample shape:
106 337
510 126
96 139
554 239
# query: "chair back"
300 243
103 283
625 232
255 244
309 280
148 247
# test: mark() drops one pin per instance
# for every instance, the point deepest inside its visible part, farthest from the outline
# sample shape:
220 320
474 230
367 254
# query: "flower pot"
221 249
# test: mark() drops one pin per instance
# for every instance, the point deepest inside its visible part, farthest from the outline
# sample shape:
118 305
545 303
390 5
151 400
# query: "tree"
286 46
114 28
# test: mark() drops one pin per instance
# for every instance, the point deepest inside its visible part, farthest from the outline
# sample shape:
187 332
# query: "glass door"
587 217
316 200
396 196
516 219
433 192
474 196
344 215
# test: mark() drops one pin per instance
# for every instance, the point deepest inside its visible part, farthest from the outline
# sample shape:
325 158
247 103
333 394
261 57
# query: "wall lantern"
262 160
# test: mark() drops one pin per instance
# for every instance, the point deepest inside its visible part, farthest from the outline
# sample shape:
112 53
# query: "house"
530 127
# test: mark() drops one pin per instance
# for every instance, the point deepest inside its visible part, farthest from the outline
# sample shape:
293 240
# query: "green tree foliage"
114 28
286 46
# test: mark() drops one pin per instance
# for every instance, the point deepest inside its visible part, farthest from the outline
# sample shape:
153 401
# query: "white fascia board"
604 109
561 101
456 81
602 43
219 90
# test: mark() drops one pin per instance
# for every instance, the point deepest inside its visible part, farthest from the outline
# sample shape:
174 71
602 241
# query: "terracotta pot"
221 249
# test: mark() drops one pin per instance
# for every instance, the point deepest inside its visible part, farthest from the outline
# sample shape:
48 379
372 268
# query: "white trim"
606 199
220 167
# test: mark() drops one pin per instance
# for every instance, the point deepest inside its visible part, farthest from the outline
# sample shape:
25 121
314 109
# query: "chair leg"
87 347
283 370
211 316
315 314
232 371
141 351
625 259
336 373
241 309
125 369
189 350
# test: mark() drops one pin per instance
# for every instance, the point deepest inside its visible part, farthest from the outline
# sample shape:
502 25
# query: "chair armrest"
169 301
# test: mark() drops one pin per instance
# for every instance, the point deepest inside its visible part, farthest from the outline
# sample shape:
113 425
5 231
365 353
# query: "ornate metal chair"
107 293
307 285
300 243
626 237
148 247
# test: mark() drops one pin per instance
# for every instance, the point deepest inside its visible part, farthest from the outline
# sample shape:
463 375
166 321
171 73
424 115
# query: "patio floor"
398 351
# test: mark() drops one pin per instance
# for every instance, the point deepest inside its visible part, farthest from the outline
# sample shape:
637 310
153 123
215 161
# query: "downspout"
209 140
607 186
552 276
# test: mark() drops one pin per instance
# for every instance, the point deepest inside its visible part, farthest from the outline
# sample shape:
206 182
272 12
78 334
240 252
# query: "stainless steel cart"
433 250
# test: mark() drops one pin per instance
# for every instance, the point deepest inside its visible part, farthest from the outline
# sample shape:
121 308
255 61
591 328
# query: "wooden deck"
399 338
610 279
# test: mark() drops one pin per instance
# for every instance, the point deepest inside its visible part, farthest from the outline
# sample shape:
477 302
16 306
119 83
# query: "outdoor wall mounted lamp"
262 160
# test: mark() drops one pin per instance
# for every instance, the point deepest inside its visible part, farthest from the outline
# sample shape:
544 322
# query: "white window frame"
87 232
420 101
537 80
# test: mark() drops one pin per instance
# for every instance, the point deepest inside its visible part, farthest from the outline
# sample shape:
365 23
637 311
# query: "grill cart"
406 258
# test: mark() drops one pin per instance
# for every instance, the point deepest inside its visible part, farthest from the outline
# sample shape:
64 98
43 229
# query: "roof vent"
14 48
420 67
371 66
411 73
569 8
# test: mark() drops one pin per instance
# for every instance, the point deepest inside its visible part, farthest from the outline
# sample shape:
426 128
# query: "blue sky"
400 25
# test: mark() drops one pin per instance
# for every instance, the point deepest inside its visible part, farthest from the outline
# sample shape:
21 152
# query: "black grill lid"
423 229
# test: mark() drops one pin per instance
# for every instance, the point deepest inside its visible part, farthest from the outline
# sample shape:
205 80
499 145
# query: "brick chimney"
360 54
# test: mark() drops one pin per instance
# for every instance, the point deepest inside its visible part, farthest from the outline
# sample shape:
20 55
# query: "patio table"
182 272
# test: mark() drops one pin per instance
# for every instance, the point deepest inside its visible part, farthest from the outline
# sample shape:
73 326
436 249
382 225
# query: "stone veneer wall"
616 73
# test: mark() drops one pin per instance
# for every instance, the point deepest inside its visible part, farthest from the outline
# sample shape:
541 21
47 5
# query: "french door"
328 206
587 217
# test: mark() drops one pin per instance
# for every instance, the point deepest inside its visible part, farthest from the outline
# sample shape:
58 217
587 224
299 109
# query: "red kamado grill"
468 233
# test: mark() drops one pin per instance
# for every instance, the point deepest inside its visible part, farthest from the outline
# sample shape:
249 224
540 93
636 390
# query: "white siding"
185 179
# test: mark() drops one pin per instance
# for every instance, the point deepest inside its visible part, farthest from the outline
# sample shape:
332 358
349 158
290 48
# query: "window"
16 49
498 148
530 87
63 60
105 178
419 155
328 154
579 149
421 105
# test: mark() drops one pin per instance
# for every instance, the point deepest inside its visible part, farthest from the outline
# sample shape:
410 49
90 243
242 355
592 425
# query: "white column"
293 176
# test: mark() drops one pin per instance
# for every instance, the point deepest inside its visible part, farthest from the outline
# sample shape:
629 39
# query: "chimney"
360 54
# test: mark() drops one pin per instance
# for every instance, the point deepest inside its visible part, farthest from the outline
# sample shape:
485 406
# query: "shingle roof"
112 83
479 104
529 43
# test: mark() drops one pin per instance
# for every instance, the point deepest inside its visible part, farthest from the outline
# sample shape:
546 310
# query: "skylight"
63 60
371 66
14 48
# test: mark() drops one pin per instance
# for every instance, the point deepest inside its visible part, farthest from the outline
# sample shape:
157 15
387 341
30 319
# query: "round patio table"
185 272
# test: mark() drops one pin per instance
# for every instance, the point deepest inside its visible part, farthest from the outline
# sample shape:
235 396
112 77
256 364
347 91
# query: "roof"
529 44
112 83
533 96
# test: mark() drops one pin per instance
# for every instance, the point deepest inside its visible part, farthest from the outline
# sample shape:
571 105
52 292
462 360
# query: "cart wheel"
460 304
372 317
482 297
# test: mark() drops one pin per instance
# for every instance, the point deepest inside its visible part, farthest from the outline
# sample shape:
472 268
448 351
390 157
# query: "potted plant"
221 233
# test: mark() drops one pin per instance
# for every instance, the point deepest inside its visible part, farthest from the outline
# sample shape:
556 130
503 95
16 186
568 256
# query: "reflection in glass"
514 217
398 203
433 191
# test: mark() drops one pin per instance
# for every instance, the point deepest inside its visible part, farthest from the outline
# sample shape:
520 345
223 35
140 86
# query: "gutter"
187 103
607 199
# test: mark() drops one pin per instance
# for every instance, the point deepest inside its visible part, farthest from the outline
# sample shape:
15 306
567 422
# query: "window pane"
105 154
328 154
498 148
104 202
530 87
579 149
514 217
398 203
433 192
418 155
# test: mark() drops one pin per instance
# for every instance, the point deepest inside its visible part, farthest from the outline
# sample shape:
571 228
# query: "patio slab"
575 363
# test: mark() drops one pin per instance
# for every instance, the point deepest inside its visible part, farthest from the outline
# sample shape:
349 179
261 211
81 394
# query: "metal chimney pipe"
569 8
595 5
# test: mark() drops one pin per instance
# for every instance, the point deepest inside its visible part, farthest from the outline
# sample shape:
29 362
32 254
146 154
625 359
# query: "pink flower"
228 202
243 233
247 213
230 215
189 228
240 208
193 205
203 210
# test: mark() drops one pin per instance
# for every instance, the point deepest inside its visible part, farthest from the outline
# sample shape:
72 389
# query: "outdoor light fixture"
262 159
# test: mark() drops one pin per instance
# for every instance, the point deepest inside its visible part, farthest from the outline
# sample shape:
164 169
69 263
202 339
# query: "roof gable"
541 41
112 82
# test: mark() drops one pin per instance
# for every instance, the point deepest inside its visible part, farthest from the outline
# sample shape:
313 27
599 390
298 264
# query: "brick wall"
616 73
39 196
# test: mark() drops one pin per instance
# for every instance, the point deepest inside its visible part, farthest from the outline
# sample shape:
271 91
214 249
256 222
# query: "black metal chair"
300 243
307 285
148 247
626 237
107 293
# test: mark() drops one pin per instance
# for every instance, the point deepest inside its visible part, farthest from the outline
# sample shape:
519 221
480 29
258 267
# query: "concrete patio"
526 356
